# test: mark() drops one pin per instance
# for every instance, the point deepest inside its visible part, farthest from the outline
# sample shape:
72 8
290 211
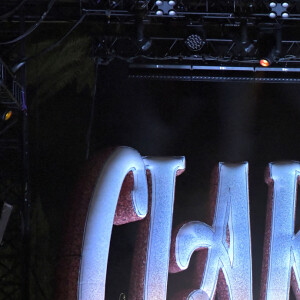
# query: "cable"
11 12
47 49
31 29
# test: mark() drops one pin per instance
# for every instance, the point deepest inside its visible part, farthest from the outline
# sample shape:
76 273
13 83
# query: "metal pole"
26 178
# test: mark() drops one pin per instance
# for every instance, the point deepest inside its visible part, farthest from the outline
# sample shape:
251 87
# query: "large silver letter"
282 245
151 261
100 218
228 240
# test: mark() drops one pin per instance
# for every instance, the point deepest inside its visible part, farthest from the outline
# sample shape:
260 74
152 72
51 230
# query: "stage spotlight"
141 5
165 8
143 43
264 62
194 42
146 45
270 42
278 9
270 58
7 115
244 45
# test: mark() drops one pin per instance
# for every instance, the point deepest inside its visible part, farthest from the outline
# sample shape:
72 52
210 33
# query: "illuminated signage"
224 247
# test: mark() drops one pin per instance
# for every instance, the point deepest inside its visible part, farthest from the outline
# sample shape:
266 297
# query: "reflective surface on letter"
282 246
100 218
151 261
230 254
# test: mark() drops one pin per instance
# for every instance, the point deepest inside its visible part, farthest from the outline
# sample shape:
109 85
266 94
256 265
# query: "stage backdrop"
205 122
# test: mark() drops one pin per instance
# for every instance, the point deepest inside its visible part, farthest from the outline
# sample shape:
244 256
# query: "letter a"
228 241
281 266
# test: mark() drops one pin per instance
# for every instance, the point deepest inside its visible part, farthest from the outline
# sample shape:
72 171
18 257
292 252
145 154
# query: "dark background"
204 121
207 122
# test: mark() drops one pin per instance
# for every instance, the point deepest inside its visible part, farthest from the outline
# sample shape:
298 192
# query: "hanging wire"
11 12
31 29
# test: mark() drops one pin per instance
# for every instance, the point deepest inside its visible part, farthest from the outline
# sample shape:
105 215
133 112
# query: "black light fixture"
278 9
243 44
194 42
143 43
273 43
165 8
265 62
269 59
246 44
141 5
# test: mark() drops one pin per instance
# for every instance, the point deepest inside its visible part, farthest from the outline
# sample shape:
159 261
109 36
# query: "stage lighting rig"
194 42
216 35
165 8
270 47
141 8
279 9
245 46
141 5
144 43
6 115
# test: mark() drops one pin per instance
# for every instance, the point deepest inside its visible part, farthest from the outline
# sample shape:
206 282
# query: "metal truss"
13 256
11 92
218 23
225 52
11 259
173 49
66 10
204 9
219 60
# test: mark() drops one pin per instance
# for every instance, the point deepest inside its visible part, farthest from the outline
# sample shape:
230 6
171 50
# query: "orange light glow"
264 62
7 115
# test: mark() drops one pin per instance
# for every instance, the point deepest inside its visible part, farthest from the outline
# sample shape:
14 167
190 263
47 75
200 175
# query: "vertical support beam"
26 175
